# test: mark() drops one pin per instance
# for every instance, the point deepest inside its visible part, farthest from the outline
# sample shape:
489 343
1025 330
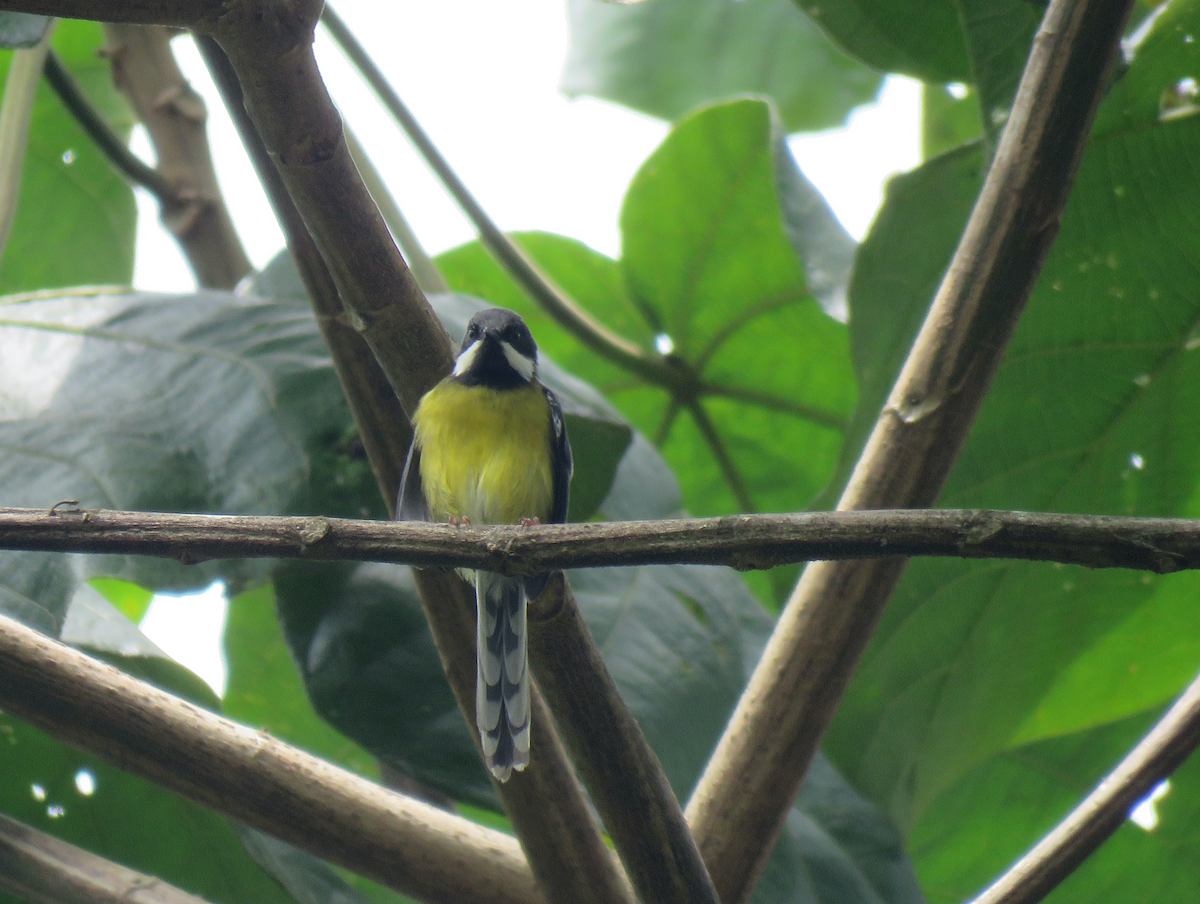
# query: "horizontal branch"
744 542
180 13
250 776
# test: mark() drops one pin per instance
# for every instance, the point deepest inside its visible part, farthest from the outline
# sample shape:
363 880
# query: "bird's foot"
460 522
530 522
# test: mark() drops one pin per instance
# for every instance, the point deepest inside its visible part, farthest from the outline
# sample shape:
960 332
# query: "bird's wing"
411 505
560 460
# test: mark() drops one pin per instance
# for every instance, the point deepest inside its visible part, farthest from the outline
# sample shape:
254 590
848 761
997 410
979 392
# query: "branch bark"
745 542
1161 752
42 869
743 797
144 69
401 842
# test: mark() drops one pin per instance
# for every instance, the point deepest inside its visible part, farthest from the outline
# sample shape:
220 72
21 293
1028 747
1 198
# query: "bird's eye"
472 332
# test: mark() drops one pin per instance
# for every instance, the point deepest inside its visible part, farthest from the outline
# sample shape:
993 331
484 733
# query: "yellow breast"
485 453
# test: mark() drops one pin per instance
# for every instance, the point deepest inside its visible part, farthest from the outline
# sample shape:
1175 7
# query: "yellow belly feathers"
485 453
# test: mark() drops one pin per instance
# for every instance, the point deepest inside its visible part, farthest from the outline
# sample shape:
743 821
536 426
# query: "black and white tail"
502 682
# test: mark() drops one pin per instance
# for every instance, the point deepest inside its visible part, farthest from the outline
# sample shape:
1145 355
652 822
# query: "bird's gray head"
498 351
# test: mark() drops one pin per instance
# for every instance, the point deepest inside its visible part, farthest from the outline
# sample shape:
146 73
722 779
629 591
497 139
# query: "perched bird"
490 447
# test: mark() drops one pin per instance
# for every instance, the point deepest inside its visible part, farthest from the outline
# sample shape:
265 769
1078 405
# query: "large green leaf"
975 662
668 57
731 270
923 39
76 217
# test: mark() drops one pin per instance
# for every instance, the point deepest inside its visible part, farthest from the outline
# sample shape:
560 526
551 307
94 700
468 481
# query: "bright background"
482 78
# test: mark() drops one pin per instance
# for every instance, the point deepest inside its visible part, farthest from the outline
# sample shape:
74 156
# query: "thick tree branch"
192 210
545 804
179 13
752 779
248 775
42 869
745 542
626 778
1102 812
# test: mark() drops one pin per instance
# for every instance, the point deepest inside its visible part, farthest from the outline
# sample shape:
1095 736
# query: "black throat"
491 368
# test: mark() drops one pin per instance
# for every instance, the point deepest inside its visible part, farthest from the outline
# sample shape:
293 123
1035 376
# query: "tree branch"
250 776
745 542
179 13
545 803
749 785
626 778
192 210
1161 752
42 869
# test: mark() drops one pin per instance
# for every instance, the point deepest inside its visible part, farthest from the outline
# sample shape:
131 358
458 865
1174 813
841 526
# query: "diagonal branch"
1101 813
250 776
749 785
193 210
42 869
1160 545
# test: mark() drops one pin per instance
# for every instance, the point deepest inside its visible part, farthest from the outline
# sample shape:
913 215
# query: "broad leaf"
76 217
668 57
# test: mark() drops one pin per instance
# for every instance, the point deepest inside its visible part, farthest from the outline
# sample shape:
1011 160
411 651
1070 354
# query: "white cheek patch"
526 367
466 359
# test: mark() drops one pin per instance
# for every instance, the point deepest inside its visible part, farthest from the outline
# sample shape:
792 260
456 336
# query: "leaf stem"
717 447
124 160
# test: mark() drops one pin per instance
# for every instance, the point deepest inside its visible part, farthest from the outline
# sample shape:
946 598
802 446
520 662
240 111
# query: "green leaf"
21 29
923 39
83 800
669 57
976 661
129 599
76 218
947 121
730 271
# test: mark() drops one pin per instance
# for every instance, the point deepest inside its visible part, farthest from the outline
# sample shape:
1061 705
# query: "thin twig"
109 143
749 785
20 91
507 253
1160 545
1161 752
250 776
42 869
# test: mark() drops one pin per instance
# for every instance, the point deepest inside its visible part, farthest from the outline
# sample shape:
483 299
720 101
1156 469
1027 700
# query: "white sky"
482 78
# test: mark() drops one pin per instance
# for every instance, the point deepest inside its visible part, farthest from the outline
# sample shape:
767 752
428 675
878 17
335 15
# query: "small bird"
490 447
